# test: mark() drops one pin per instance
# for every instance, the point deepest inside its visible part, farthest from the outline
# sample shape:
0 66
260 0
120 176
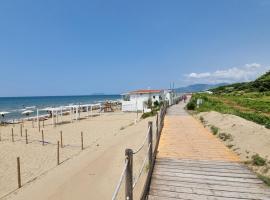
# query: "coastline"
16 105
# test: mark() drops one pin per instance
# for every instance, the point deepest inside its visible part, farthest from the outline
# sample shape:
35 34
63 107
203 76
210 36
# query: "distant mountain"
198 87
261 84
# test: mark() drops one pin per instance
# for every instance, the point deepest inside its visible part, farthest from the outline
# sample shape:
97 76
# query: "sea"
16 105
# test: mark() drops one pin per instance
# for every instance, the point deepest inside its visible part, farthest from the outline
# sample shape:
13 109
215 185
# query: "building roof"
145 91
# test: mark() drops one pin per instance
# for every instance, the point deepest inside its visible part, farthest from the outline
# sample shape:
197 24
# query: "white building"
137 100
169 96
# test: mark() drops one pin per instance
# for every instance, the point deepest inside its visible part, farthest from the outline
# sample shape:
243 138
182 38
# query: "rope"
141 169
120 181
138 150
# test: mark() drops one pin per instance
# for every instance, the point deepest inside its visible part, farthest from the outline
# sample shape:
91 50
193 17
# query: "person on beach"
185 98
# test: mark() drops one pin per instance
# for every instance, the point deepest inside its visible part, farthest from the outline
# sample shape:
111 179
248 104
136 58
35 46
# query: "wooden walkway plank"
204 169
192 164
210 192
205 181
207 177
241 189
206 173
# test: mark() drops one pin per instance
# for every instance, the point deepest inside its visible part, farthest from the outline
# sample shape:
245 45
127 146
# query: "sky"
53 47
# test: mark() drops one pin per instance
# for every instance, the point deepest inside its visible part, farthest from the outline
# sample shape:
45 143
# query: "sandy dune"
247 138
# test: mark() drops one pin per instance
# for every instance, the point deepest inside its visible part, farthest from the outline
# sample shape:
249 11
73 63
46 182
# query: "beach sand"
89 174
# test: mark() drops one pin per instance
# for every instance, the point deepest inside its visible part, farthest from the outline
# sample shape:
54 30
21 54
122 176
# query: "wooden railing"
127 172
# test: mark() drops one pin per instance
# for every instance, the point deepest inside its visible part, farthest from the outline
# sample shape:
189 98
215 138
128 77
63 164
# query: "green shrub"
258 160
149 114
156 104
202 119
267 125
214 130
191 105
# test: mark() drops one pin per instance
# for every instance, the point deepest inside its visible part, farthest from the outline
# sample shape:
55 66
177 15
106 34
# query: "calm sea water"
15 105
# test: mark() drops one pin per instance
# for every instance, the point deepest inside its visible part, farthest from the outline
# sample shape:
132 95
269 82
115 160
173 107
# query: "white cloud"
245 73
200 75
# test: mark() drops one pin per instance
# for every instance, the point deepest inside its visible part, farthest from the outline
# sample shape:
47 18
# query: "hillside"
261 84
198 87
250 100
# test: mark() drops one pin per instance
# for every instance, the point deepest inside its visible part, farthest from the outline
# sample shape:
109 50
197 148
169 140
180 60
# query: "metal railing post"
129 174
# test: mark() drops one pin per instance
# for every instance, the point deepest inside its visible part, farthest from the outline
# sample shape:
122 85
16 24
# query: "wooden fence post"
82 139
26 137
12 134
33 124
129 175
38 126
43 123
0 137
150 143
19 172
42 134
58 156
21 129
61 139
157 127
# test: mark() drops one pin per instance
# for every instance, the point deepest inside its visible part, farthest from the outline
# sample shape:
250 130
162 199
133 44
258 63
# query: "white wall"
137 102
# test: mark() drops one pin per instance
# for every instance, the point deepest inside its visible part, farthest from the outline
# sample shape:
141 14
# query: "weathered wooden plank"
153 197
202 165
209 192
198 163
204 181
199 172
242 188
206 169
208 177
189 196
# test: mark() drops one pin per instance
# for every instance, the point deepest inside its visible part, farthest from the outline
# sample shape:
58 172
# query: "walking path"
193 164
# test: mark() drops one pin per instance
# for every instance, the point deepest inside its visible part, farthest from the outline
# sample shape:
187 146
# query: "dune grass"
251 106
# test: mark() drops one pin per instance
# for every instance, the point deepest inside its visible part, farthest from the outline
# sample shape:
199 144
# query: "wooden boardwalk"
193 164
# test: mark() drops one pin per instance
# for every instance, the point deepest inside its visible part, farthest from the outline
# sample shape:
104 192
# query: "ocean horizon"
16 105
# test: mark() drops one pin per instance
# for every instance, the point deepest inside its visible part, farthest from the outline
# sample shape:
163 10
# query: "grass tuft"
258 160
265 179
214 130
225 136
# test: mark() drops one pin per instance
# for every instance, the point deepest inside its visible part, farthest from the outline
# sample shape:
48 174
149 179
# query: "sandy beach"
89 174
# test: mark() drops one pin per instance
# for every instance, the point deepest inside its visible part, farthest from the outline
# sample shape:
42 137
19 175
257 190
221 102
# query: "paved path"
193 164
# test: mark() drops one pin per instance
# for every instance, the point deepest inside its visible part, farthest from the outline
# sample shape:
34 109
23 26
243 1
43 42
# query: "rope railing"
120 181
127 171
144 141
141 169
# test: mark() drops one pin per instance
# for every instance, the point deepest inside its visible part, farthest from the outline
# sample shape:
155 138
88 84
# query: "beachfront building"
138 100
169 96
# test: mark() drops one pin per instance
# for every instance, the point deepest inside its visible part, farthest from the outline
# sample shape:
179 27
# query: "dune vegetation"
250 100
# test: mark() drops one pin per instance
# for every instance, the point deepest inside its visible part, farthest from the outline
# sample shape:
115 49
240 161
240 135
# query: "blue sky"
58 47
